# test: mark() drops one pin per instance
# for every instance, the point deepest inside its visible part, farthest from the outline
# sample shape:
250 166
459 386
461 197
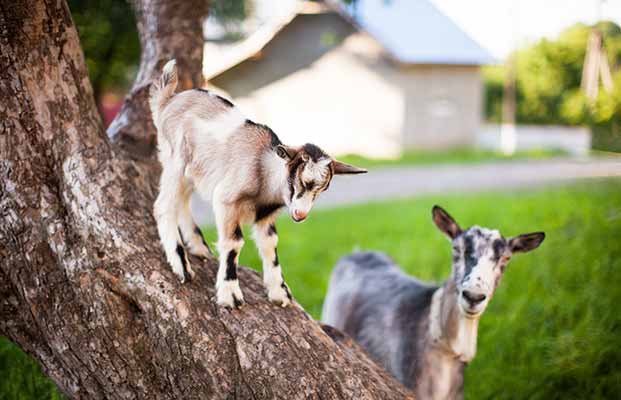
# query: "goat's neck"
275 177
450 331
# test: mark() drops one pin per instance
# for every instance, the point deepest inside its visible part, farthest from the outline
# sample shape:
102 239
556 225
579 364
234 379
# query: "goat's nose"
473 298
299 215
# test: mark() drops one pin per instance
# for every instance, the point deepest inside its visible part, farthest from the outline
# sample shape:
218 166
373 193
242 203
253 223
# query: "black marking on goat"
499 247
329 179
314 152
237 302
469 256
286 288
265 210
225 101
231 267
200 234
275 140
184 261
271 230
276 263
238 234
293 169
301 193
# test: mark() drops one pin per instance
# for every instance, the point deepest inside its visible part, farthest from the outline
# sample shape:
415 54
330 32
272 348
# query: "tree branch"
84 286
167 29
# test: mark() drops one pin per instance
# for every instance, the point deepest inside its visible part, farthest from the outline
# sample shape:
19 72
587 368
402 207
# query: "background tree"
548 85
107 30
84 287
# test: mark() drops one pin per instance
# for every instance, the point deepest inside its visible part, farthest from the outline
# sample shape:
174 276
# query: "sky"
500 25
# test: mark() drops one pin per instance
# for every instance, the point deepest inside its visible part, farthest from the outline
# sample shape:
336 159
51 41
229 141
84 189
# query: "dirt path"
403 182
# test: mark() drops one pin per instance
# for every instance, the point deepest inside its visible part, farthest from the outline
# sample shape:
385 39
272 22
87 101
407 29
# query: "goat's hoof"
280 295
190 271
233 303
201 252
180 276
229 295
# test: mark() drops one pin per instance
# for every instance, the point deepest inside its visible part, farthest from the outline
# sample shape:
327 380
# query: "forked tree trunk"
167 29
83 283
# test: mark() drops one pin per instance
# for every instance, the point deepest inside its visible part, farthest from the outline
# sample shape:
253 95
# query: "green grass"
553 329
454 156
21 377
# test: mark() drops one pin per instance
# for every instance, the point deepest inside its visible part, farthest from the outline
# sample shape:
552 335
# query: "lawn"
553 329
454 156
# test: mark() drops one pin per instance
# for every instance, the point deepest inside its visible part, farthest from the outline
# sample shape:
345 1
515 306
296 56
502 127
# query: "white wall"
574 140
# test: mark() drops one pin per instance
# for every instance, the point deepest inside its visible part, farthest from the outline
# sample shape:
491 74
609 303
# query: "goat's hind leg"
166 212
190 232
266 238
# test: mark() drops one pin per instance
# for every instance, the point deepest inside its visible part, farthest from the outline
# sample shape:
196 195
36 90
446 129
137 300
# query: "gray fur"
422 334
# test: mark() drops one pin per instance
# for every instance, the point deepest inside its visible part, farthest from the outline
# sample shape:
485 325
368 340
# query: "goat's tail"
163 89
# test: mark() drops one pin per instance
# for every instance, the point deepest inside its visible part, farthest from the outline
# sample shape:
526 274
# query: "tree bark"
84 287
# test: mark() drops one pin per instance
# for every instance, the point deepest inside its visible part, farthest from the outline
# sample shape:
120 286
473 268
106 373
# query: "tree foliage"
548 83
109 38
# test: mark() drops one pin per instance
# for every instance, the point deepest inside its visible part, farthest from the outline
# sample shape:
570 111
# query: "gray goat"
423 334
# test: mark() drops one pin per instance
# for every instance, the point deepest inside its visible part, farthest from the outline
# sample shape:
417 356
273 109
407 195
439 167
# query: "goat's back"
215 141
380 307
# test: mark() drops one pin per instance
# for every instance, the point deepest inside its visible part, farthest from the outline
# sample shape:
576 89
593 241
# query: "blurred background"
505 112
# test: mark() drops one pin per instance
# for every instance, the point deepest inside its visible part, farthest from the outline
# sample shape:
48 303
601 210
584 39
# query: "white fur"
272 274
219 128
312 172
169 67
464 344
206 145
277 179
304 204
272 277
435 315
227 292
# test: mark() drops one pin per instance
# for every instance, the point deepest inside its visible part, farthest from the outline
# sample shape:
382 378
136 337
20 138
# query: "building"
374 77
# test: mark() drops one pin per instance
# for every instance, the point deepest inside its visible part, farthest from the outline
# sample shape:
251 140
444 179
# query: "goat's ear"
526 242
341 168
445 222
285 152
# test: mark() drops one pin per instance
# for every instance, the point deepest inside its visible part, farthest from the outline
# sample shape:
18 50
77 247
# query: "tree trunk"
84 286
167 29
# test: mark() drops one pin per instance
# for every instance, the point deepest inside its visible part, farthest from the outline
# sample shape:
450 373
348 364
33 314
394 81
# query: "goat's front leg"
266 238
230 243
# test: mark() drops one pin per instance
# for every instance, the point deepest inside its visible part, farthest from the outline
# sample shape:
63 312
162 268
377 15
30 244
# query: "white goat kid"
206 145
423 334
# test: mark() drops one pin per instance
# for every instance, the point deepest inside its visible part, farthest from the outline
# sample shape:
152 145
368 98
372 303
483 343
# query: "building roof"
411 31
414 31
